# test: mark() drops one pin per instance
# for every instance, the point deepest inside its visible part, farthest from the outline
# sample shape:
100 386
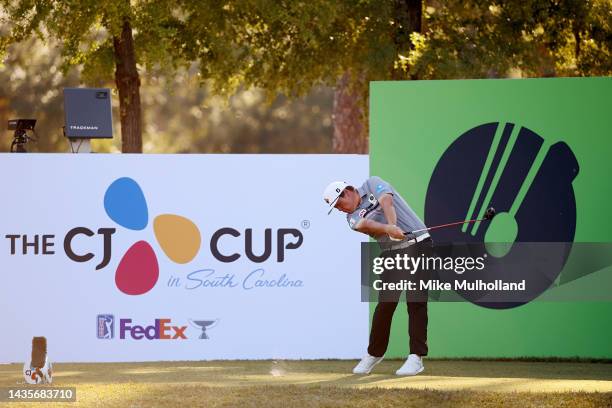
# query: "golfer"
376 209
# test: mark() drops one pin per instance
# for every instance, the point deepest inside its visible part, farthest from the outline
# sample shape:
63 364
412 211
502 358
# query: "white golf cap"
332 193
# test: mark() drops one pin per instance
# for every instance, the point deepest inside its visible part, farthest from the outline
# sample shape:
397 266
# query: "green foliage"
179 115
291 46
31 87
476 39
85 29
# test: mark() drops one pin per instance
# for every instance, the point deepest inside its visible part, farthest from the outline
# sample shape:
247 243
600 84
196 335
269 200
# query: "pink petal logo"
179 238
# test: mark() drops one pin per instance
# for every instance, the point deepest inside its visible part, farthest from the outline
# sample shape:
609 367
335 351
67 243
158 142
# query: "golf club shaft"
445 225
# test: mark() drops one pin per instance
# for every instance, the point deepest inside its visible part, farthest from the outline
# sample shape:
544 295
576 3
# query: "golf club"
489 214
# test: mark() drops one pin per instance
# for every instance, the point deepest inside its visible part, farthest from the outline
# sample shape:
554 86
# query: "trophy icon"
203 325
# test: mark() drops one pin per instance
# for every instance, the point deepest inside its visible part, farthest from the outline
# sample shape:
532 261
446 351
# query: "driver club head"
489 214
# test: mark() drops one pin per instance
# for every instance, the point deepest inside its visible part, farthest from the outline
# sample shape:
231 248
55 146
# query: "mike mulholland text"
434 284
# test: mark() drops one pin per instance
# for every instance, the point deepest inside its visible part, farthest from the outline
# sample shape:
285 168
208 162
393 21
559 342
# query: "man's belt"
409 242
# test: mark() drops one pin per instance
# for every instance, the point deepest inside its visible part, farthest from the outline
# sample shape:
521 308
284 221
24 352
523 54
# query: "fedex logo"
160 330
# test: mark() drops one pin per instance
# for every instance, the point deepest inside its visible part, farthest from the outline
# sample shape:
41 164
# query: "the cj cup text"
43 244
411 264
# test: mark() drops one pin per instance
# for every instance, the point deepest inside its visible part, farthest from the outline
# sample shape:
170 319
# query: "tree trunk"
350 112
414 10
128 84
350 115
408 19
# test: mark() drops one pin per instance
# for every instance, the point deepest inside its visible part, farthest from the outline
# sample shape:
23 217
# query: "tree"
123 36
233 43
180 116
290 46
98 33
531 38
31 88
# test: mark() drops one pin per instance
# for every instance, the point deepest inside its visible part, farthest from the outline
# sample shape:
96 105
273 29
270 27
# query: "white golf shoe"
412 366
366 364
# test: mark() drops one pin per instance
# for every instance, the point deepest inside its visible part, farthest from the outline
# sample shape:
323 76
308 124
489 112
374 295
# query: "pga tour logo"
161 329
105 326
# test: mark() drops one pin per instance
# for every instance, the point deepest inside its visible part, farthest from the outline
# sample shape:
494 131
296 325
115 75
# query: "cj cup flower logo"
178 237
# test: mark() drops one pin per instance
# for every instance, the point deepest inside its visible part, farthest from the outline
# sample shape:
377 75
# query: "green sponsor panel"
542 145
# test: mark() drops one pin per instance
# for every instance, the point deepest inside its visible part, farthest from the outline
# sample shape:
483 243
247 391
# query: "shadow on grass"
318 396
325 372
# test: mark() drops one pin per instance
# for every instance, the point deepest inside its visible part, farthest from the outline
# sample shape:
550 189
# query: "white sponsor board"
273 276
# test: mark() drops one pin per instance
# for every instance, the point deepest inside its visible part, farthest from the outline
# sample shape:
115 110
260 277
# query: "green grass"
329 383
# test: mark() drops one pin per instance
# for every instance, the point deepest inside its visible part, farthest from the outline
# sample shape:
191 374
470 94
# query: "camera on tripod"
21 136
